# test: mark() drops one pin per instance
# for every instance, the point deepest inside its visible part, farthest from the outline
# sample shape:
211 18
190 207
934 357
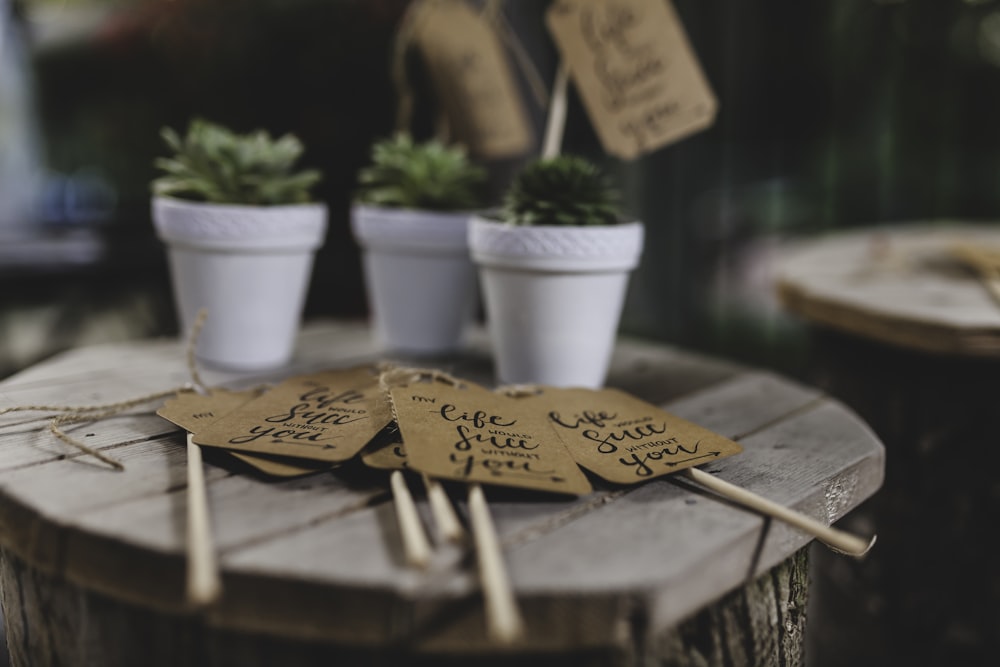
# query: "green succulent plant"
564 190
425 175
213 164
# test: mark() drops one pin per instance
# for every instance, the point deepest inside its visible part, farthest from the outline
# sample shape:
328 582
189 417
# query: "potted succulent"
554 265
410 218
241 231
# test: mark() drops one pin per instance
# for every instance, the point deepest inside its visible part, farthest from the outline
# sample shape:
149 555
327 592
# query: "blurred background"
832 115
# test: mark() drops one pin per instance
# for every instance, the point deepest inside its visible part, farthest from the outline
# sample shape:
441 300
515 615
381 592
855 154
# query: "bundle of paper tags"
447 428
534 438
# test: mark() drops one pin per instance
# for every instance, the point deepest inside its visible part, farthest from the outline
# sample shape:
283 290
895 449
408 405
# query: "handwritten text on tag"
327 416
471 434
636 73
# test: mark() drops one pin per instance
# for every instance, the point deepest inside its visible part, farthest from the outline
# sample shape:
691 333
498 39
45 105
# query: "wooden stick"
415 542
448 526
556 122
503 618
837 540
203 581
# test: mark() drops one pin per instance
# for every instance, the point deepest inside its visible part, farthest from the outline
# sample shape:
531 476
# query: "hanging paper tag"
636 73
470 434
624 439
328 416
471 74
194 412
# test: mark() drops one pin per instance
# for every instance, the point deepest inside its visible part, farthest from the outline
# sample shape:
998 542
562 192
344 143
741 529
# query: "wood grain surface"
318 558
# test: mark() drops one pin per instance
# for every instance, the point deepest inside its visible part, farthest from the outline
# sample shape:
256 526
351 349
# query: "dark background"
832 115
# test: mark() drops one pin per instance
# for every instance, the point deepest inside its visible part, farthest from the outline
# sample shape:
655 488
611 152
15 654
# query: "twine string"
396 376
86 414
519 390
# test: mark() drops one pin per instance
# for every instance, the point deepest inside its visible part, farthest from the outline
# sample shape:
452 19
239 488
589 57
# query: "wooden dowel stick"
415 543
837 540
503 618
203 581
448 525
556 123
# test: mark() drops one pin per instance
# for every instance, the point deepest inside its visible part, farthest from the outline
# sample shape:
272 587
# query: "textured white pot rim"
175 202
239 227
402 229
397 213
556 248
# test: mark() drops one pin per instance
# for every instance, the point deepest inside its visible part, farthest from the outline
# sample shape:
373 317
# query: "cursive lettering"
479 418
598 419
642 469
605 442
497 468
467 438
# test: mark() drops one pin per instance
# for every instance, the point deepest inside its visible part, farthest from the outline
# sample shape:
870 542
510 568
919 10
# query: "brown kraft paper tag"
386 451
622 438
328 416
635 70
194 412
470 434
472 77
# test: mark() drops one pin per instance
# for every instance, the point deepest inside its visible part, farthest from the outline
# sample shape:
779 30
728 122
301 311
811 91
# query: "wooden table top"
896 284
319 557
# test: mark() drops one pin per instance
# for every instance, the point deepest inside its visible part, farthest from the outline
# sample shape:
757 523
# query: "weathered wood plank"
738 630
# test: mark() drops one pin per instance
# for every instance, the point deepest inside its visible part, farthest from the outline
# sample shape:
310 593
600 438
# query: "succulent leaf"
564 190
428 176
213 164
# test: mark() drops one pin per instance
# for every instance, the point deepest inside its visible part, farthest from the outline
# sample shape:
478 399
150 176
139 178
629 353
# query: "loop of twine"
398 376
519 390
85 414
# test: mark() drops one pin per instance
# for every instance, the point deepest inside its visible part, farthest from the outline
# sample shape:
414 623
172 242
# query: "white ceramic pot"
554 297
421 283
249 267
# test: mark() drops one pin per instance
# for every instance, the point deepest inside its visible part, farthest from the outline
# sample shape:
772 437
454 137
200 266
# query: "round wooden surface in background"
896 284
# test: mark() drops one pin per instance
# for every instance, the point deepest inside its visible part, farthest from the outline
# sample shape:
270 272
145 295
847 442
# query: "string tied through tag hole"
392 376
88 414
520 390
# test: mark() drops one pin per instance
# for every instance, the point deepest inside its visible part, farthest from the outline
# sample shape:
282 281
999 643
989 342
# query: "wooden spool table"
94 560
911 341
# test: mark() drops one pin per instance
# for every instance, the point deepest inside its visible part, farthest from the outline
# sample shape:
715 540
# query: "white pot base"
554 298
247 270
420 281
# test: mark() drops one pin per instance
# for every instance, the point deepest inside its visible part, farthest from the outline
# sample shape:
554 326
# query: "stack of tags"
447 429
